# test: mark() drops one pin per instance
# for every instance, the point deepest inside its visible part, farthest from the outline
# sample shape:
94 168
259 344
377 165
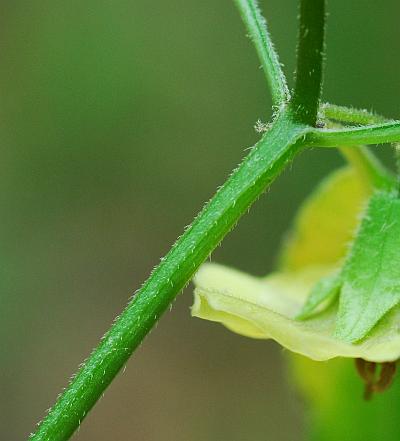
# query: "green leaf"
371 274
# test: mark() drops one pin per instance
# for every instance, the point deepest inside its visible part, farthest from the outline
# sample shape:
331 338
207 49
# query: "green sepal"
371 273
322 295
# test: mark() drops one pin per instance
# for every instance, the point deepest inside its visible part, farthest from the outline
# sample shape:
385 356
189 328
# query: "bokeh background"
118 119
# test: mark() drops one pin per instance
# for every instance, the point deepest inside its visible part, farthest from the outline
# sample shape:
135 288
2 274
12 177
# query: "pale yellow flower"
266 307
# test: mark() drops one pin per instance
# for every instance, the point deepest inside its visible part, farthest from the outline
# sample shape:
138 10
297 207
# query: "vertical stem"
309 61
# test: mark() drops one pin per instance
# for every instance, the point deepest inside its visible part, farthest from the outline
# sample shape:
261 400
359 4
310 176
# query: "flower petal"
325 223
265 308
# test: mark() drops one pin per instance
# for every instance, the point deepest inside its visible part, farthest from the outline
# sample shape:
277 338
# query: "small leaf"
371 274
323 293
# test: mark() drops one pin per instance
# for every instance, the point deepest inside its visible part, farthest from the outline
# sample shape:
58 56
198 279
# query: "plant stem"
257 27
309 61
249 180
373 134
369 166
359 154
350 115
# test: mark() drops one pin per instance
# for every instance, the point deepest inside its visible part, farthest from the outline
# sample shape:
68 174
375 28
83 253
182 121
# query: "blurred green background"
117 121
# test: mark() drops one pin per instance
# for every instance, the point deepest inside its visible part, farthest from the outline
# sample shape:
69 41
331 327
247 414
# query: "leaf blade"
371 274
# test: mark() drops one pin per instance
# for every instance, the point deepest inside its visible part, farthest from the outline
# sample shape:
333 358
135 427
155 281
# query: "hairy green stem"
373 134
248 181
256 25
350 115
270 155
363 154
288 134
367 164
309 61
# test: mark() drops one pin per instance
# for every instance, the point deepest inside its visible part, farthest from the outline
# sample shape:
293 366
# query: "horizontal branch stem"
373 134
266 160
359 156
350 115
